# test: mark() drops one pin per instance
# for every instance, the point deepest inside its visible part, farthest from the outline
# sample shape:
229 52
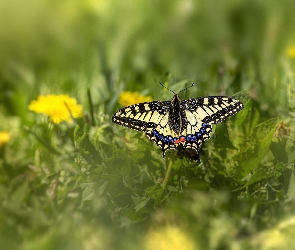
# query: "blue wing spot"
188 137
155 133
170 139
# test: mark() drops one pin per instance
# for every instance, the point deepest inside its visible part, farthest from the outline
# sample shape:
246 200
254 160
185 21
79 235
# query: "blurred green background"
71 45
106 47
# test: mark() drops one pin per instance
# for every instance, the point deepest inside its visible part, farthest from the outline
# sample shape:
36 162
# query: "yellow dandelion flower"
4 138
127 98
168 238
59 108
291 52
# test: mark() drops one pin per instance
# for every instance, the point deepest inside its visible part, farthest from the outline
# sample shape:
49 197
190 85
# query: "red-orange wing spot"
182 139
176 141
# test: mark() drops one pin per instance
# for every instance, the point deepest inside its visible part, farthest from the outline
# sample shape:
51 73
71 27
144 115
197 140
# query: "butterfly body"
171 123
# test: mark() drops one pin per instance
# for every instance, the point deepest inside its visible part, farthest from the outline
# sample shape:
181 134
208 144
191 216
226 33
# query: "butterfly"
178 124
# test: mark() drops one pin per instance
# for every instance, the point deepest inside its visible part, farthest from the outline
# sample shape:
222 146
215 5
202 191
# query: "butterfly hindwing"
163 135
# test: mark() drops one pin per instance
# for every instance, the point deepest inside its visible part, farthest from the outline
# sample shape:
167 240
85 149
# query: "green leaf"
139 202
153 191
42 141
93 188
17 197
241 115
291 189
120 166
89 190
254 150
243 96
261 174
279 151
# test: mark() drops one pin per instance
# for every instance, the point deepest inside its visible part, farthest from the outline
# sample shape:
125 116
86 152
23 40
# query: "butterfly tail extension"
164 151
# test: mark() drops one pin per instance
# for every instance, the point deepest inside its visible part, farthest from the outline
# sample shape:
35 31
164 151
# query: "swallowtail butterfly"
178 122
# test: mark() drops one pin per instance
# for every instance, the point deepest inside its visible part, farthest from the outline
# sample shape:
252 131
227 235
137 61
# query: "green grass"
93 184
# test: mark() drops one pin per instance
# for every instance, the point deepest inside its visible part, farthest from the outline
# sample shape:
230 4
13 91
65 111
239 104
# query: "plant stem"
165 182
42 141
90 107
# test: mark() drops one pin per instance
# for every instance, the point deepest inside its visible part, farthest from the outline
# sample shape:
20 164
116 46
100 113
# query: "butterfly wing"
143 116
212 109
201 113
163 135
151 118
196 131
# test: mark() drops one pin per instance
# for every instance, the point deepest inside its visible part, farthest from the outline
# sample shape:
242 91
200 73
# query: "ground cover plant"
72 179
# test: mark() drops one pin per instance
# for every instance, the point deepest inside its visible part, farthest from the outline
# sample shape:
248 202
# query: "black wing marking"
212 109
143 116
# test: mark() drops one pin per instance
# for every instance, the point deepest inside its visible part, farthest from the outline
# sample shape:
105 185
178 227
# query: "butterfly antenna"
187 88
168 89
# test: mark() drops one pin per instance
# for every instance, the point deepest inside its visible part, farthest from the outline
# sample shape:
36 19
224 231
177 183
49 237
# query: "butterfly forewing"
213 109
142 116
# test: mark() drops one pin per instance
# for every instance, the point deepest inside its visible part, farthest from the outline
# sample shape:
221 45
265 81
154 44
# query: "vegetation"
71 179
